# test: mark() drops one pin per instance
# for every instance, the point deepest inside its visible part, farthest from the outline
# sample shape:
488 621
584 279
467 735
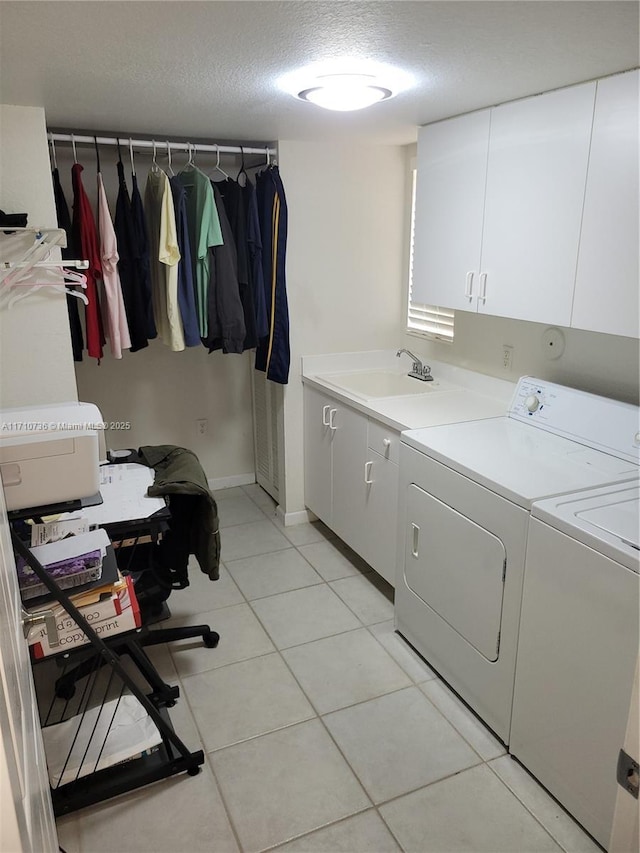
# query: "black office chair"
158 567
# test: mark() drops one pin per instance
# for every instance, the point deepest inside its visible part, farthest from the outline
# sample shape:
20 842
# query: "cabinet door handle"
325 419
483 287
367 472
416 540
468 290
332 415
386 442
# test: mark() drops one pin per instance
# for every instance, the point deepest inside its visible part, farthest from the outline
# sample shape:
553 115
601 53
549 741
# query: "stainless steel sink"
375 384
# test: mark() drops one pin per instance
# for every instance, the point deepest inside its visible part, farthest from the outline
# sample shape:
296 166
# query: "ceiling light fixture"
345 92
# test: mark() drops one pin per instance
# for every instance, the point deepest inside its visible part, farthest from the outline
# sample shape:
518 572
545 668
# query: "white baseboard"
289 519
229 482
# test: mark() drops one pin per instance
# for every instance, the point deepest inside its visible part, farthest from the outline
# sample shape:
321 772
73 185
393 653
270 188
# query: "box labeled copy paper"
114 615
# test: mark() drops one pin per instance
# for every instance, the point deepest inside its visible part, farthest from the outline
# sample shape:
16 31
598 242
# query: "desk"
171 756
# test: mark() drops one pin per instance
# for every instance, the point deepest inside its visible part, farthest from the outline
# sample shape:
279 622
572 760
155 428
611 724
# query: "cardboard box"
109 617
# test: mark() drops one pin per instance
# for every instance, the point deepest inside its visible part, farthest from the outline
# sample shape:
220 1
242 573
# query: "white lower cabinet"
381 513
317 450
351 478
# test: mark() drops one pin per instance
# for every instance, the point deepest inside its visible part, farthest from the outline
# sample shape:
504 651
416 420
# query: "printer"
50 454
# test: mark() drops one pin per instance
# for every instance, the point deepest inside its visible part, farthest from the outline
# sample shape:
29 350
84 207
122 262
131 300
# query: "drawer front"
385 441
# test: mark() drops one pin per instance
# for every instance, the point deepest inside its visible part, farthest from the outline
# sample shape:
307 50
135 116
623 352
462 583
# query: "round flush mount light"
345 92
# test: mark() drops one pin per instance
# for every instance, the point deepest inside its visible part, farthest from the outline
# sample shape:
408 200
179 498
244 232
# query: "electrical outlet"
507 357
202 426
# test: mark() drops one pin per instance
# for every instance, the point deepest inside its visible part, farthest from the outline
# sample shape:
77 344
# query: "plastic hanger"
56 284
73 145
95 142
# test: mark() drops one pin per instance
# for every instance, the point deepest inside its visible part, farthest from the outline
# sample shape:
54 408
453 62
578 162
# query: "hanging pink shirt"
116 319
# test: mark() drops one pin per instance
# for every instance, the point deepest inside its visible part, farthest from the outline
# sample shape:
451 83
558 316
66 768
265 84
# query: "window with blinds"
428 320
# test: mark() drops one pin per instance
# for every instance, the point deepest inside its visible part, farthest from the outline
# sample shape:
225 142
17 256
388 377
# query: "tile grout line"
526 807
375 807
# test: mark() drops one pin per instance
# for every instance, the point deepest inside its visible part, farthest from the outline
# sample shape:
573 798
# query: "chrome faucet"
418 369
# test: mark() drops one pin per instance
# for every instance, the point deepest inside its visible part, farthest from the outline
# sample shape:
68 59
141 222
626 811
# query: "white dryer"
465 497
578 647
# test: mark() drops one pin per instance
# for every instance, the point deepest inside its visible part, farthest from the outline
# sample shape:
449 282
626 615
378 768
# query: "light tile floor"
323 730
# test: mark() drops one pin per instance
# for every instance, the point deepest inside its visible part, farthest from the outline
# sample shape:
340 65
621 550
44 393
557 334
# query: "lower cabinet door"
318 437
349 445
381 512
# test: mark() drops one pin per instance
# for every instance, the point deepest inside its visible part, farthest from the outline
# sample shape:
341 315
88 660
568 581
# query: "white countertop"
465 395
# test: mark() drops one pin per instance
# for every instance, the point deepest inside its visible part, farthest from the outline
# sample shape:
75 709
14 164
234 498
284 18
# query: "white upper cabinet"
529 210
606 297
452 168
536 176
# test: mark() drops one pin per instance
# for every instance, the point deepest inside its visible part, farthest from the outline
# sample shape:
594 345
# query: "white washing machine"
578 647
465 497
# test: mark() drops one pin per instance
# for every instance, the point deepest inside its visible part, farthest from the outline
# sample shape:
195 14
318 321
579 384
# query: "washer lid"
606 519
519 463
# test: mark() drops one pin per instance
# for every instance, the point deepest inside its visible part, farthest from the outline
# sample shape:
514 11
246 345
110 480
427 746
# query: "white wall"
344 265
163 393
36 363
601 364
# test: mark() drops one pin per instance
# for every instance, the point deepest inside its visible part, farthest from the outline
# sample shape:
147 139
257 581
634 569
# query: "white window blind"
428 320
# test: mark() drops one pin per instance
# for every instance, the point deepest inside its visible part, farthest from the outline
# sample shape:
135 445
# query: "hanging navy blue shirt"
273 354
254 248
226 329
128 267
186 291
233 198
64 222
144 261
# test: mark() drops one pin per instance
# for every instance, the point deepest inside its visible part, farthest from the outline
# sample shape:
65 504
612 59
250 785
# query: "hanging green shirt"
204 233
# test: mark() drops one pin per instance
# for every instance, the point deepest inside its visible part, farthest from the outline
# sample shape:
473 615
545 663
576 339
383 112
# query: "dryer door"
457 568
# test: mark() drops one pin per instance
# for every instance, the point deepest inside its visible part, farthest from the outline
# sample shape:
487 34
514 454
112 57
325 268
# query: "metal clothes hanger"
190 164
217 167
242 171
169 167
54 159
155 166
133 166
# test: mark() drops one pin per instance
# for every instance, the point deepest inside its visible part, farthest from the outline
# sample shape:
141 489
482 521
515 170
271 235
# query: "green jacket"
178 472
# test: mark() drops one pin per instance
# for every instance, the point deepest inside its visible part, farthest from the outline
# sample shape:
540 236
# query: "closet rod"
160 144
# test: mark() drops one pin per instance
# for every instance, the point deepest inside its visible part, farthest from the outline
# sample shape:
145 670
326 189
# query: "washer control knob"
532 403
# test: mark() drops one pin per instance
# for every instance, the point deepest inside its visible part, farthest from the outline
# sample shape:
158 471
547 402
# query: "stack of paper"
70 562
115 732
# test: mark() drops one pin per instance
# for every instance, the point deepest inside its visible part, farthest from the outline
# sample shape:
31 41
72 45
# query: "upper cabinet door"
606 298
536 178
452 167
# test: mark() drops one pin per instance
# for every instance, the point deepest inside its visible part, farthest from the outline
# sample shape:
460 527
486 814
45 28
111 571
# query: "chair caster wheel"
65 691
193 771
211 640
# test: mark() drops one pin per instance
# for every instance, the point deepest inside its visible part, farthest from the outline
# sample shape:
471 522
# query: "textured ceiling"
210 69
